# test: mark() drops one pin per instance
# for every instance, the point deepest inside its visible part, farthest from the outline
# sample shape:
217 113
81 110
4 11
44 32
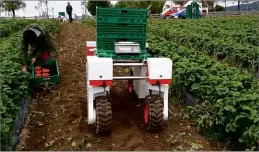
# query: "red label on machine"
161 81
154 81
88 52
100 82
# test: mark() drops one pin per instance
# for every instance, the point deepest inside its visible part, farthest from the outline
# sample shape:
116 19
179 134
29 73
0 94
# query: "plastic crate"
119 27
128 20
53 79
120 24
109 54
108 34
122 30
109 44
122 35
121 12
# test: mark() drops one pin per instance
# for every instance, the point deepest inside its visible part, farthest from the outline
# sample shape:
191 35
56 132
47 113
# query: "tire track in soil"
157 141
125 135
133 110
62 114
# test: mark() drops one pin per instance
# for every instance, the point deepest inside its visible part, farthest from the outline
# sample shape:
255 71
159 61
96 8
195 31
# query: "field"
213 61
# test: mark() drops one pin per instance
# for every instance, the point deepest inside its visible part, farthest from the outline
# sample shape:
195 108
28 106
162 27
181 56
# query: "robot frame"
150 77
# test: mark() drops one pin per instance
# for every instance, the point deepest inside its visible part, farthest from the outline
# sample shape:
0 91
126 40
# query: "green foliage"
231 95
124 4
11 6
13 82
219 8
8 27
155 8
91 6
90 22
217 38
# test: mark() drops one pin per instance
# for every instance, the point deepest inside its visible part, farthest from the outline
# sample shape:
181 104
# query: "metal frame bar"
127 61
130 78
129 64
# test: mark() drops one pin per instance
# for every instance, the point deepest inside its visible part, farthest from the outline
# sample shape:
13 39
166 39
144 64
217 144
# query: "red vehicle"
171 8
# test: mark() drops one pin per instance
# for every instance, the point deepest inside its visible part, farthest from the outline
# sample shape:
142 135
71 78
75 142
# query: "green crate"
123 12
108 34
121 36
61 13
109 44
120 24
121 30
119 27
110 54
52 80
122 19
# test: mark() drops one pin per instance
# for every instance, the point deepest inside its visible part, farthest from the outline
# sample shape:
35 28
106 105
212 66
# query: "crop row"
14 82
241 23
246 25
241 32
243 55
8 27
241 35
232 93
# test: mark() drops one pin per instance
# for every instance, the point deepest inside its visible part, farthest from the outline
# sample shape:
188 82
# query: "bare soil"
58 120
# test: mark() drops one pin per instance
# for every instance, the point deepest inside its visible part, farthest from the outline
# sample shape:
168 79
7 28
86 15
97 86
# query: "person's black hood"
32 36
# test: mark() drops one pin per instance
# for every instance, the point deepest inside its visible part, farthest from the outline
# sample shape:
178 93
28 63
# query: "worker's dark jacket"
47 44
69 9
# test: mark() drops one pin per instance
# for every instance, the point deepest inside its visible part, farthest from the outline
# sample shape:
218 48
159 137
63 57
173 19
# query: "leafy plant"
13 82
215 38
231 94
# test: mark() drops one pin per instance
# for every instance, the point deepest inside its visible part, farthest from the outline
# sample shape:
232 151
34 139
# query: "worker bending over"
40 40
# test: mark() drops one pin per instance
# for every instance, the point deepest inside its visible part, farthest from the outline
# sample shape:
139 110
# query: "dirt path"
58 120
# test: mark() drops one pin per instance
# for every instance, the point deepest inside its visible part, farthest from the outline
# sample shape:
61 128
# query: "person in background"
40 40
69 11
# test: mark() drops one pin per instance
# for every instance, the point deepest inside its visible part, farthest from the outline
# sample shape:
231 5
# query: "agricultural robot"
121 42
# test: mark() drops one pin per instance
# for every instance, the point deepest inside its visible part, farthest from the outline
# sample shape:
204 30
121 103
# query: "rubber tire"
103 115
155 113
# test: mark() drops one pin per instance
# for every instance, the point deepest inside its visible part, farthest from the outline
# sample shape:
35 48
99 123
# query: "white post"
53 12
0 8
85 6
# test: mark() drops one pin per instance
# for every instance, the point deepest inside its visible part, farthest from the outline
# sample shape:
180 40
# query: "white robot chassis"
150 79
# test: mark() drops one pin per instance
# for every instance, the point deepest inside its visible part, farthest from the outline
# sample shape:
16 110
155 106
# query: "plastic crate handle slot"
124 11
122 24
122 40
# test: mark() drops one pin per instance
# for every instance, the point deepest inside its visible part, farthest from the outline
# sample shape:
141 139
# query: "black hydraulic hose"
159 93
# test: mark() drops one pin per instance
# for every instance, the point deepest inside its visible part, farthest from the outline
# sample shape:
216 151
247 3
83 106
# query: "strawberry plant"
215 41
232 94
13 82
8 27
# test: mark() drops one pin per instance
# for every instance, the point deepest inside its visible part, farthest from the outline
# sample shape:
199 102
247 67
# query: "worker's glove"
33 60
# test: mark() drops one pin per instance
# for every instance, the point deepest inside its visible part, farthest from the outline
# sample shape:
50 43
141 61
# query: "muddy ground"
58 120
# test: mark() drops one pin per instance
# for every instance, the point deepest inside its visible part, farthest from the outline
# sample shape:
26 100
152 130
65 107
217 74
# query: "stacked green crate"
193 11
120 24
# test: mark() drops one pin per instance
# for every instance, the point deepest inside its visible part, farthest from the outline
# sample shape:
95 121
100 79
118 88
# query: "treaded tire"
103 115
155 113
